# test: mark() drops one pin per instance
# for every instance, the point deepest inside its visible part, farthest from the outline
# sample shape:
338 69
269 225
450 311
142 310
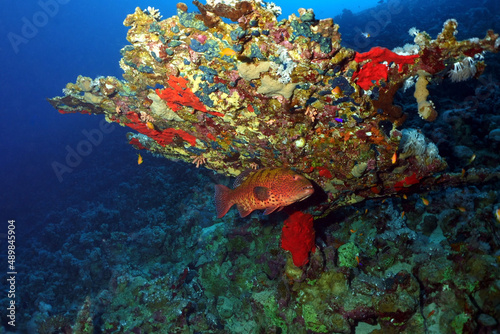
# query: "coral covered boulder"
260 92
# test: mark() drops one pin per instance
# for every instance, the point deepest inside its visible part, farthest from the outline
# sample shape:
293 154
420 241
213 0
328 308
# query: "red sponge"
372 72
298 237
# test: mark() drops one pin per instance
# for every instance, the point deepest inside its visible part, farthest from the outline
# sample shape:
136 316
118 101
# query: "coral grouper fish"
267 188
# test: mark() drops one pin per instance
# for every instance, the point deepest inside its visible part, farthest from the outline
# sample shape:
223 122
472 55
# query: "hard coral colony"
285 95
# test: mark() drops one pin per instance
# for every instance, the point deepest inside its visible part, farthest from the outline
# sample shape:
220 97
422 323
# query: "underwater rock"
495 135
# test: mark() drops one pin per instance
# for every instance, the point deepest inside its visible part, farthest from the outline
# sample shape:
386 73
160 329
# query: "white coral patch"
413 31
407 49
155 13
463 70
410 82
286 66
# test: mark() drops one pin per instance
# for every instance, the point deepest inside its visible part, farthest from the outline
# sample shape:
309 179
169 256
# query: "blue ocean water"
46 44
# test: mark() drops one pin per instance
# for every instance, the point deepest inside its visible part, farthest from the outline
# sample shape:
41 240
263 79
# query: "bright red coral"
163 137
135 142
406 182
211 137
372 72
177 94
324 172
298 237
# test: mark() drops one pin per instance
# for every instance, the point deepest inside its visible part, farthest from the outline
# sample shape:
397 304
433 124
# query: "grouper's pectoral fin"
271 209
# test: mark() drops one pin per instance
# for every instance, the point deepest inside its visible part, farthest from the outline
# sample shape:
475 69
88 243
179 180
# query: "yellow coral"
425 108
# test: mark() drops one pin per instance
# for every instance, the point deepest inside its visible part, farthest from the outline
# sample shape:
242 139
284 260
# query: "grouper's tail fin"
222 200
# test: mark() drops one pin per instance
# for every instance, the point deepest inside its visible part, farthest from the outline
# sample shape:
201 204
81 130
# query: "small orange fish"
150 126
431 313
268 188
497 214
425 201
461 208
404 196
402 214
227 52
139 159
336 91
394 158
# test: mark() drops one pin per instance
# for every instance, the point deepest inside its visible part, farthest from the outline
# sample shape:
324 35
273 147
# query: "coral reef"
288 94
150 253
433 268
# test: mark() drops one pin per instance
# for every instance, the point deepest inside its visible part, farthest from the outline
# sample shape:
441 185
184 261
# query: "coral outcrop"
287 94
